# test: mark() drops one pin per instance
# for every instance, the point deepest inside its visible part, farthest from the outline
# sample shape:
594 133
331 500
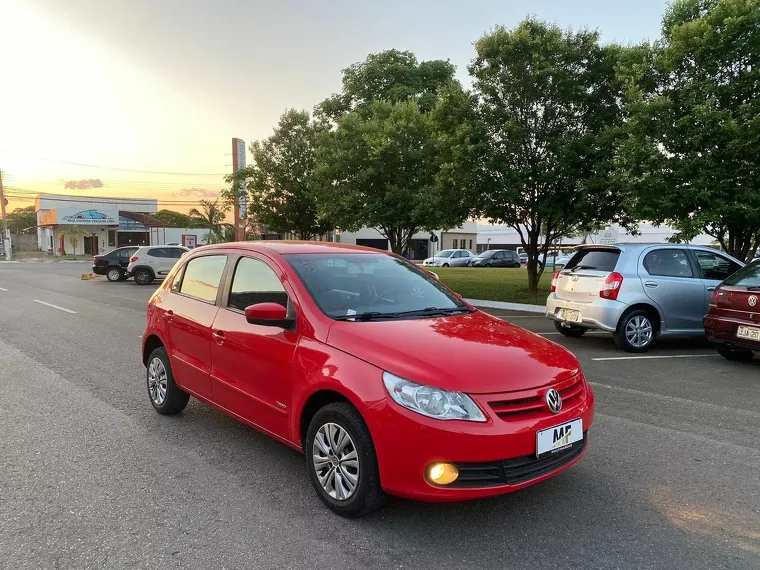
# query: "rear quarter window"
595 259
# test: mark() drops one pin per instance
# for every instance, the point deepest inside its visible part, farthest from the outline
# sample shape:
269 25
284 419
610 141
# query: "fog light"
442 473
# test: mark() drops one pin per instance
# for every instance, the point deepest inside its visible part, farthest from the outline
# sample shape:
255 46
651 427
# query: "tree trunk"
533 272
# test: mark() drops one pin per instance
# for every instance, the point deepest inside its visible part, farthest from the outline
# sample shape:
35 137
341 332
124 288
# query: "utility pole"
6 237
240 208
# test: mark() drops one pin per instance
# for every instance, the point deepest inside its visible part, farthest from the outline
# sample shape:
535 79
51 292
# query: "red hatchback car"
733 323
384 378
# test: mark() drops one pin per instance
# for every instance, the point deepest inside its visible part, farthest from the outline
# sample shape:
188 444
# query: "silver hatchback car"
637 291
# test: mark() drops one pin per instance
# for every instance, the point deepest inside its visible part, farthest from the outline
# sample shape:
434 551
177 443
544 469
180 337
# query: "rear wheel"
342 463
573 331
734 354
114 274
167 398
445 265
143 277
635 331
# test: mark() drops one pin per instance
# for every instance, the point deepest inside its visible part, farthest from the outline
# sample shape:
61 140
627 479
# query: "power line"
115 167
84 200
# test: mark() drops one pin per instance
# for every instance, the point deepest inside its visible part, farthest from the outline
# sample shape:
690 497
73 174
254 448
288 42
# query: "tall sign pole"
241 204
6 237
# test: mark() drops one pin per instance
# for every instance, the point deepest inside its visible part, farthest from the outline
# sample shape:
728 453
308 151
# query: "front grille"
517 470
530 405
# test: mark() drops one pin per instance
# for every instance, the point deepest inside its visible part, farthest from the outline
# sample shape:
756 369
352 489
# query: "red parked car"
385 379
733 323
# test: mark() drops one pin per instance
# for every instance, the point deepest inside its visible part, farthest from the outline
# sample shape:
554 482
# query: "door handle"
711 288
651 284
218 337
169 316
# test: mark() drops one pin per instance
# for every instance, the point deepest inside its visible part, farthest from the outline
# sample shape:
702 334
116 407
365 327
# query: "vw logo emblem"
574 278
554 401
752 300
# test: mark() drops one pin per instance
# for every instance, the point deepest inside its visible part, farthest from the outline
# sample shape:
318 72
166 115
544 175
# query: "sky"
146 95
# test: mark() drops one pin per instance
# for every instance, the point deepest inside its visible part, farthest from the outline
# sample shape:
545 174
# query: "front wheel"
635 332
341 461
733 354
572 331
445 265
143 277
167 398
114 274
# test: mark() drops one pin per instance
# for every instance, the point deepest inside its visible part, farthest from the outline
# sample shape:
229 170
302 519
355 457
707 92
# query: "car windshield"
486 254
595 259
445 253
748 276
361 286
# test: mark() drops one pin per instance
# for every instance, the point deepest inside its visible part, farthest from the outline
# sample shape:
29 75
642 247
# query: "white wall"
174 235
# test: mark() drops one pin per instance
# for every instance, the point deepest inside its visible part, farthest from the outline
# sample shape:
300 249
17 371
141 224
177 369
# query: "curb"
506 306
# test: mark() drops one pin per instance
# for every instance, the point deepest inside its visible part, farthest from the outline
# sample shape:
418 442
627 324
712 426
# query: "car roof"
638 246
292 247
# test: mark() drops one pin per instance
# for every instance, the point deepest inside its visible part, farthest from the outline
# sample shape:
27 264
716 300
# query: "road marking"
653 357
55 306
1 289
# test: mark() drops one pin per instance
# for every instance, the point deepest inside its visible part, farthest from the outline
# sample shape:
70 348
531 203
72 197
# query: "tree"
281 181
74 233
392 75
549 108
211 216
173 219
21 219
694 124
382 165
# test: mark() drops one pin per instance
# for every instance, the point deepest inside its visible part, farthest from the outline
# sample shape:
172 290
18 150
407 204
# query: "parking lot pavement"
91 476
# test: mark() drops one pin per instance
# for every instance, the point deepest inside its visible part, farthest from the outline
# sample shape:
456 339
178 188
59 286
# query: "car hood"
474 353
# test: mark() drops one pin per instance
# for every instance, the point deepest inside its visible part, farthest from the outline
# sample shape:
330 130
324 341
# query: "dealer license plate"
570 315
558 438
750 333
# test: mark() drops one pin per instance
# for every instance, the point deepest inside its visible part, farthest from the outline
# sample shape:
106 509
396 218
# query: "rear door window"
748 276
668 263
202 277
157 252
595 259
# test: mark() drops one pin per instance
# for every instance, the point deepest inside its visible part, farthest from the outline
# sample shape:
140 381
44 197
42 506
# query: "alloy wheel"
114 274
336 462
157 381
639 331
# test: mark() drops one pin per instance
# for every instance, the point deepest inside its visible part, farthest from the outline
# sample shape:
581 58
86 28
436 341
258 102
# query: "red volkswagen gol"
733 323
385 379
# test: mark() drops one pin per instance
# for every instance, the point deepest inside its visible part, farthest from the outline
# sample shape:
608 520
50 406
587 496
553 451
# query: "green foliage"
211 216
694 102
281 181
384 166
392 75
173 219
74 233
21 219
549 108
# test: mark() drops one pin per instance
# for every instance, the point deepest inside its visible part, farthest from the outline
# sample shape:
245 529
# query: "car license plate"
750 333
558 438
570 315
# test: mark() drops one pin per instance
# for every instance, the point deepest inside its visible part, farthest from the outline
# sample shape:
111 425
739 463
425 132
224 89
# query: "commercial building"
97 225
423 244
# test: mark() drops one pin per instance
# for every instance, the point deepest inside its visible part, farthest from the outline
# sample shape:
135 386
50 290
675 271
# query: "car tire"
167 398
635 331
143 277
735 355
445 265
367 495
572 331
114 274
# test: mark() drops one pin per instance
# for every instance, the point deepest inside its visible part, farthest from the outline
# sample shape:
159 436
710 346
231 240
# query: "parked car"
114 263
450 258
151 262
637 291
496 258
733 323
523 258
336 351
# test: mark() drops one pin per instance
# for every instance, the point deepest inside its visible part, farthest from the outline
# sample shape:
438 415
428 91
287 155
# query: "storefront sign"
128 224
85 217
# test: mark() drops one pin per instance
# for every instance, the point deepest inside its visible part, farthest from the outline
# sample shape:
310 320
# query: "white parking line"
654 357
1 289
55 306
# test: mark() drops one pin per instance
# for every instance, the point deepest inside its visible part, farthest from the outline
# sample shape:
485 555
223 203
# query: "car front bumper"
494 457
601 314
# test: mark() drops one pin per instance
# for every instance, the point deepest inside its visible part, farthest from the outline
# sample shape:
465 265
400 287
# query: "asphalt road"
92 477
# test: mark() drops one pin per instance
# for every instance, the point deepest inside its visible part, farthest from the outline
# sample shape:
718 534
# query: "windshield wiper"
583 267
753 288
430 311
367 316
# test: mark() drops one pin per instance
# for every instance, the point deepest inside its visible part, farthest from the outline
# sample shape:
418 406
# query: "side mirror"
269 315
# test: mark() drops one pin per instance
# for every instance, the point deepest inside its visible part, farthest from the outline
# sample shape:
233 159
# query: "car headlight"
432 402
